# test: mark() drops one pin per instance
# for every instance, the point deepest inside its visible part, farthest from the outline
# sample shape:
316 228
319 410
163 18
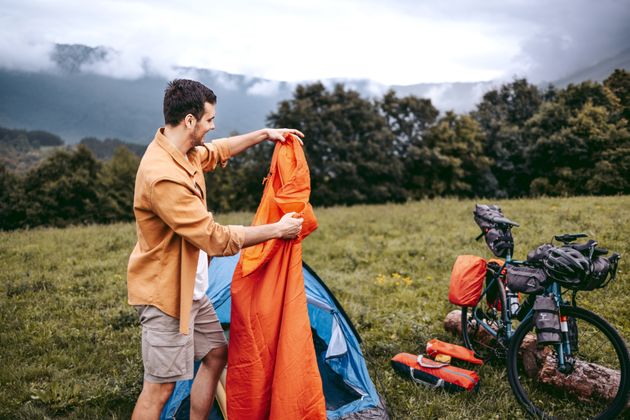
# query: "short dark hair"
183 97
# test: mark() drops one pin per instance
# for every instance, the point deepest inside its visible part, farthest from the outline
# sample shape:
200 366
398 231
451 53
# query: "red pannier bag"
467 277
435 347
434 374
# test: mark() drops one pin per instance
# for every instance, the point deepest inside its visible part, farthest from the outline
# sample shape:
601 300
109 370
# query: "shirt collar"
165 144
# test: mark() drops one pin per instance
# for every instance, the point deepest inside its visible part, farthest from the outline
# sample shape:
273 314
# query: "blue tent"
348 389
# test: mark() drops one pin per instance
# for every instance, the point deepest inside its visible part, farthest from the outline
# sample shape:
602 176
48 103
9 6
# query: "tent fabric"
348 368
273 371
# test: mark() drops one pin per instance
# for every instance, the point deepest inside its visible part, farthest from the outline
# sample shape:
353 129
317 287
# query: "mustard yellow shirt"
173 224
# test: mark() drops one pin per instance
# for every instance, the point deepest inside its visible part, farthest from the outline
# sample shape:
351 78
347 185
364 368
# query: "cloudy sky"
391 42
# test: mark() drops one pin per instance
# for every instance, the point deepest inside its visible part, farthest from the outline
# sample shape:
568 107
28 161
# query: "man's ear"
190 121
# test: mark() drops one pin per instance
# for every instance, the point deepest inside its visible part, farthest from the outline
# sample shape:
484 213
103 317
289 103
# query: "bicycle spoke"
476 337
587 387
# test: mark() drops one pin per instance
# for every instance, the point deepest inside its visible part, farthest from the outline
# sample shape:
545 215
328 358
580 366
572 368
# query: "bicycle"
500 326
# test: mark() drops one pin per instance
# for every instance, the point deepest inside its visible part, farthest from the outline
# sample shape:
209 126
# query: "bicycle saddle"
492 214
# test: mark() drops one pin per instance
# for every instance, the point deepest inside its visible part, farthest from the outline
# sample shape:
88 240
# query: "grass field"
70 345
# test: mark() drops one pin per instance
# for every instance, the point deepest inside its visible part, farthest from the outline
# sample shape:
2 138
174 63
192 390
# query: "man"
167 272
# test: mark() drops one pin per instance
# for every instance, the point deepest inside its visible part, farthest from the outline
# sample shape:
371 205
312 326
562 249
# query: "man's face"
203 125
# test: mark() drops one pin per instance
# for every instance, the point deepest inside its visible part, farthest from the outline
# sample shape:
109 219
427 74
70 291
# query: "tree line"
519 141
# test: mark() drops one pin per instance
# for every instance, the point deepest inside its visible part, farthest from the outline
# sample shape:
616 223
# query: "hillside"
598 71
81 105
74 349
22 150
75 102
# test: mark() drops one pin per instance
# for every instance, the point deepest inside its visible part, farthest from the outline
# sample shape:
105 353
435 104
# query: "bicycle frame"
563 348
507 321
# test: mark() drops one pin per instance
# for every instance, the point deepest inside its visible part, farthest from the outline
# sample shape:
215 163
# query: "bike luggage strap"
440 381
432 365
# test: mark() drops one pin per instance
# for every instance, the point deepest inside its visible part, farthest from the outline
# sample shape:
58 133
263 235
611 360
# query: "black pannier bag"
486 216
537 255
500 241
603 270
496 229
547 320
524 279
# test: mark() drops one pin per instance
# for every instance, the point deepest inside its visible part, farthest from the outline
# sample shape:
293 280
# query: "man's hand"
289 226
277 134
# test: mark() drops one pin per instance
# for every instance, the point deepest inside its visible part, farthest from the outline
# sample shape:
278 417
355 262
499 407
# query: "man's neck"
178 138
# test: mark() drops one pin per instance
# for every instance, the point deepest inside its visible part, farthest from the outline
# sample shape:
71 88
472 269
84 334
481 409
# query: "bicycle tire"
475 338
548 400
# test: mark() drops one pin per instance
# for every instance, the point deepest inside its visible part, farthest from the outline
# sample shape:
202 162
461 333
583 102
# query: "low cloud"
429 41
17 53
226 81
264 88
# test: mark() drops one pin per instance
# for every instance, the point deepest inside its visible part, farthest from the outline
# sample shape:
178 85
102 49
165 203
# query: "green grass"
70 345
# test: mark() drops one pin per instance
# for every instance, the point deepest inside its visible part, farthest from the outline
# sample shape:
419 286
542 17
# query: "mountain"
78 99
75 103
20 150
598 71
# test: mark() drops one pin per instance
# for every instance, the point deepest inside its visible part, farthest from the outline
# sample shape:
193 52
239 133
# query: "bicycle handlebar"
569 237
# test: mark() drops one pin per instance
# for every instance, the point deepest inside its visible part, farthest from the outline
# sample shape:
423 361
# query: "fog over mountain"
75 95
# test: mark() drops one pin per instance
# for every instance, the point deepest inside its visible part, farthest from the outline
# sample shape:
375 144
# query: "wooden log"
588 381
530 355
453 324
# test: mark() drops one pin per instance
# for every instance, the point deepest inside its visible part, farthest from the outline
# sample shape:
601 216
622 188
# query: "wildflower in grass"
380 280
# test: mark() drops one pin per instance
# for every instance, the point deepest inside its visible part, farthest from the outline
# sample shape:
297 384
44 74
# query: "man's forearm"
239 143
257 234
244 141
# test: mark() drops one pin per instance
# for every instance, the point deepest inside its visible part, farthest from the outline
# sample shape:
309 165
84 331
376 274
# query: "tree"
408 119
502 114
453 162
40 138
64 189
619 84
117 178
12 206
239 186
349 146
104 149
582 151
575 97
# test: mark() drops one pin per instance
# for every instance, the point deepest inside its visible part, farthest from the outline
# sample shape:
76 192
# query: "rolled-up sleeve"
238 236
183 212
213 154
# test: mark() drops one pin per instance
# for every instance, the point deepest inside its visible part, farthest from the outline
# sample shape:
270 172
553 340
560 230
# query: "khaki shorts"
168 355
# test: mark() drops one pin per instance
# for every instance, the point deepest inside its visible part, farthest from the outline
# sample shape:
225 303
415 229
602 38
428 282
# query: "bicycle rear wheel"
545 392
492 314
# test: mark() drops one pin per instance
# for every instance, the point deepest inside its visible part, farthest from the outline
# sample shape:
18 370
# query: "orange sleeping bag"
272 367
